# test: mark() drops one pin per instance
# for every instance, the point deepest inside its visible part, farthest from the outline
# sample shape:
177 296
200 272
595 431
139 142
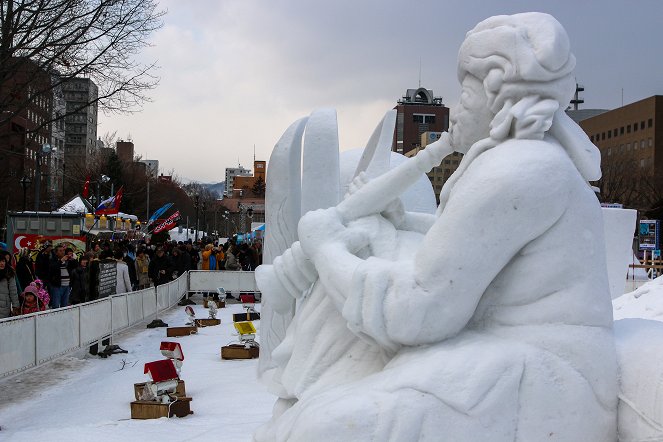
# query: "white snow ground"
87 398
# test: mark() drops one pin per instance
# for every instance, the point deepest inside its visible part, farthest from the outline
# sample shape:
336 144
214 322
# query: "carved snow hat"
518 55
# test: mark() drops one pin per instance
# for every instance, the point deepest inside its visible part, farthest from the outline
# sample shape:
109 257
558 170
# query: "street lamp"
45 150
25 183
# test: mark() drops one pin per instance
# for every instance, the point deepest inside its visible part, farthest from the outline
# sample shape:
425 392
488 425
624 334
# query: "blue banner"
159 212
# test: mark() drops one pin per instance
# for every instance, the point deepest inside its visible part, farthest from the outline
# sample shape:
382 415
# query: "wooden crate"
207 322
219 304
180 392
237 351
241 317
172 332
155 410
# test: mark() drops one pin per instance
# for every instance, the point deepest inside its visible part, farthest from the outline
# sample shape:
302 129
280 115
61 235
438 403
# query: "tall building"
231 173
125 151
151 166
630 139
25 139
80 122
418 111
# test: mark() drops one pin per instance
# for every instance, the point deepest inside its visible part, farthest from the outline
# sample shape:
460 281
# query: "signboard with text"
649 234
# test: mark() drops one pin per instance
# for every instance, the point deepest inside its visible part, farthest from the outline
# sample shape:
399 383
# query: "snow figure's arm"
508 197
417 222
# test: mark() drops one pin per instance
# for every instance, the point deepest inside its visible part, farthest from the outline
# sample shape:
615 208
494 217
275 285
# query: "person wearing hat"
30 302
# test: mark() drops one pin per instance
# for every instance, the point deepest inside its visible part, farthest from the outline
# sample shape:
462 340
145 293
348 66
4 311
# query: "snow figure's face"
471 118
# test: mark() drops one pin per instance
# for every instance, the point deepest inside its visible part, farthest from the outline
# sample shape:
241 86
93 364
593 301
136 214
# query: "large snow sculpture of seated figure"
495 327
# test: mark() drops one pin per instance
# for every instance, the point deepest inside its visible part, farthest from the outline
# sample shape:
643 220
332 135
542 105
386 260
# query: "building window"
642 144
642 163
650 122
614 133
609 134
642 125
609 151
635 145
635 127
650 142
628 128
628 147
602 135
591 138
621 130
417 118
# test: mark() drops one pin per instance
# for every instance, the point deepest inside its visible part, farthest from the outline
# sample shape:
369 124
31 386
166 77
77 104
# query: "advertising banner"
168 224
649 234
34 242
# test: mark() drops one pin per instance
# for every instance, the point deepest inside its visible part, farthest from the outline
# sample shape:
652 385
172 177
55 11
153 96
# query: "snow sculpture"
481 322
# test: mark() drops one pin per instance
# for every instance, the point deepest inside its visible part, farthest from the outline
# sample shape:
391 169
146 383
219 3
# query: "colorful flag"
168 223
159 212
111 206
86 187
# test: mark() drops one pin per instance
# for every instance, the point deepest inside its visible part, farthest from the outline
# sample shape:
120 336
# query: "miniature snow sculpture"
481 322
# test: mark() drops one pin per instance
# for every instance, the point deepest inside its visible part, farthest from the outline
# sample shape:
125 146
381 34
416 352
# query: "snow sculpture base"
237 351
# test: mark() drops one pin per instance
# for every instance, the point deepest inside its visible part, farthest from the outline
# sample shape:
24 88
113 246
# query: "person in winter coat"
42 262
179 263
80 282
142 269
8 294
206 254
161 268
30 301
129 259
60 266
123 280
24 269
231 259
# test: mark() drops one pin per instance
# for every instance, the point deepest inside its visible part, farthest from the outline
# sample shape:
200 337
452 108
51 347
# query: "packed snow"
85 398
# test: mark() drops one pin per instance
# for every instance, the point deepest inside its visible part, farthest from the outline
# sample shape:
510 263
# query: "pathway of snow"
87 399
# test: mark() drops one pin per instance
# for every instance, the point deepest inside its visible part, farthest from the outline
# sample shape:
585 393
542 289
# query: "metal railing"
29 341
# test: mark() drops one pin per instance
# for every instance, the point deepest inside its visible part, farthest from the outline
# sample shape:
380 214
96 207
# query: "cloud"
238 72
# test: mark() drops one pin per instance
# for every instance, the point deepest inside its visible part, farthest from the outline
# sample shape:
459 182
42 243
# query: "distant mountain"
217 188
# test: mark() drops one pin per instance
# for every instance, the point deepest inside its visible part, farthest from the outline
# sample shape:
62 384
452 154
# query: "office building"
418 111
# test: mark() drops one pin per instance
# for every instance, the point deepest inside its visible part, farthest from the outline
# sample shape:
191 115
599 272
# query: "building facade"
418 111
151 167
80 95
125 151
231 173
630 139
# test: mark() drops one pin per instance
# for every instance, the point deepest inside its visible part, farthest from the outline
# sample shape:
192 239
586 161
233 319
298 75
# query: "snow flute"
375 195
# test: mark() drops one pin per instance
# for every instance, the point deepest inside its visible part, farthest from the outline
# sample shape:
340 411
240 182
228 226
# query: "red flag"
111 206
168 223
86 187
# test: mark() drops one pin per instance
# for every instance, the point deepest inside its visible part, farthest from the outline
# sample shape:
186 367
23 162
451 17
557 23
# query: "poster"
107 277
648 234
34 242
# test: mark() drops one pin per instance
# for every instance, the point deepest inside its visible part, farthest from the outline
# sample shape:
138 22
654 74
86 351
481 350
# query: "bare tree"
43 43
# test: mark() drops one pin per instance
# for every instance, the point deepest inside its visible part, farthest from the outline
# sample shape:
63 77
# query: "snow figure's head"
516 71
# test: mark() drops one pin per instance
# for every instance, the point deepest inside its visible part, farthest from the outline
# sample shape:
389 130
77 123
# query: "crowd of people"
58 277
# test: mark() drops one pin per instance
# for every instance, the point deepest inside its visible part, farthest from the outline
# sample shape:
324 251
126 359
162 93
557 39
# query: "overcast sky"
235 73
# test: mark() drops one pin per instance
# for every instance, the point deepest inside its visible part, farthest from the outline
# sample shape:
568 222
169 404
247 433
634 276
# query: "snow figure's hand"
357 183
434 153
393 211
295 271
320 229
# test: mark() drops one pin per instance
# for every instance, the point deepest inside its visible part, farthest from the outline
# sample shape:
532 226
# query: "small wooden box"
241 317
219 304
180 392
237 351
154 410
172 332
207 322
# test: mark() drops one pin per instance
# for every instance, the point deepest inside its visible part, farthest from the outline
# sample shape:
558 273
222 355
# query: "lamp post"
196 202
45 150
25 182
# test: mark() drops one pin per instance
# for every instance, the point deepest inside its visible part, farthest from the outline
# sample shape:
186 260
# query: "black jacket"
80 283
157 264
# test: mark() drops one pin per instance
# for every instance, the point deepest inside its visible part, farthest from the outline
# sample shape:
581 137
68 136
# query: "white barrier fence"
231 281
31 340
